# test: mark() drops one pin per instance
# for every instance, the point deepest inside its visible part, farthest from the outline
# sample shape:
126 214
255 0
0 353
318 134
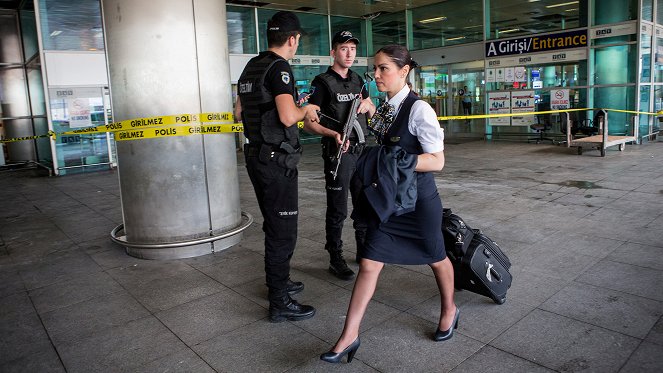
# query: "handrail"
232 232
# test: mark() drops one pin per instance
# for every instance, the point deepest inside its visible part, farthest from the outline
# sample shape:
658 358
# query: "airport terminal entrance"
455 89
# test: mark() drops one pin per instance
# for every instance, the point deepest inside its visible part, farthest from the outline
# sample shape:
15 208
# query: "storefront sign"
538 59
610 31
499 103
522 102
559 99
534 44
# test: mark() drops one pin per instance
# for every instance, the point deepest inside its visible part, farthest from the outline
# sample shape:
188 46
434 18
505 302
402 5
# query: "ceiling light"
475 26
562 4
532 1
436 19
571 10
509 30
56 33
456 38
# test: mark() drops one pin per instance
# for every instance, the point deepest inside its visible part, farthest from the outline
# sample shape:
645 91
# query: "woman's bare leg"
367 280
444 276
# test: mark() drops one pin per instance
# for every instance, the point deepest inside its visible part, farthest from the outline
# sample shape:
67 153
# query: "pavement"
584 235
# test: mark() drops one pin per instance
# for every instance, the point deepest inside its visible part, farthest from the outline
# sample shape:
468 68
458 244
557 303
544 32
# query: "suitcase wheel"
500 301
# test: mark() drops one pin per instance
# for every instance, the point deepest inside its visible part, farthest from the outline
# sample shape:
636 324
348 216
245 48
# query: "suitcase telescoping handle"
492 273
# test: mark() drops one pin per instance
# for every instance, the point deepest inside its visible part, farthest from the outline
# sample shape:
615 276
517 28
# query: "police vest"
259 115
341 94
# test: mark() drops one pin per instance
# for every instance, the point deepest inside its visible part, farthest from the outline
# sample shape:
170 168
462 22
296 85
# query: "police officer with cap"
266 104
334 91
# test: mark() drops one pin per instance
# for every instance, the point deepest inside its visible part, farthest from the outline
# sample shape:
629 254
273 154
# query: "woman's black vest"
259 115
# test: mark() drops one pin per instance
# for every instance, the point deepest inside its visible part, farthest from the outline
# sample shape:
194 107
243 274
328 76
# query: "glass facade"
389 29
645 58
315 41
449 23
614 11
73 108
514 18
73 25
615 65
647 10
357 29
242 27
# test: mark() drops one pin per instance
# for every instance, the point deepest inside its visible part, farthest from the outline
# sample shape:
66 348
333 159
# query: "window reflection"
71 25
515 18
389 29
241 30
356 27
448 23
315 41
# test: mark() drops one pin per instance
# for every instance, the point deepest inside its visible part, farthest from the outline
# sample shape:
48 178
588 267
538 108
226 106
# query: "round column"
171 57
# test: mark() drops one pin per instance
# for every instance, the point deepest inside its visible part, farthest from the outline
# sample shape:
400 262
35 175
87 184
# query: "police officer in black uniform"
266 104
334 91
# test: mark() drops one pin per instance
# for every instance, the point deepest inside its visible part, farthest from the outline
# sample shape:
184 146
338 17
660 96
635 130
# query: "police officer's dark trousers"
277 193
337 194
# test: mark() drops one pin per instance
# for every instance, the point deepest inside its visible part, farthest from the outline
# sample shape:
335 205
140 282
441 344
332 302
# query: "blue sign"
533 44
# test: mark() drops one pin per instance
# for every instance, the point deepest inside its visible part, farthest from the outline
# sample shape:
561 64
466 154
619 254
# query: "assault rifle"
350 123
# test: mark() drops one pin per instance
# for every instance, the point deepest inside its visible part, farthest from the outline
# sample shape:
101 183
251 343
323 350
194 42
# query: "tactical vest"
259 115
341 93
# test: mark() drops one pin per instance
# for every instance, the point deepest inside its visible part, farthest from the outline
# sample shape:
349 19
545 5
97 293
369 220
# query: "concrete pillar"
171 57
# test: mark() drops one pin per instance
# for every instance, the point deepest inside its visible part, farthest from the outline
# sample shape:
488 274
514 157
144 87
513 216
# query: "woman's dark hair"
399 55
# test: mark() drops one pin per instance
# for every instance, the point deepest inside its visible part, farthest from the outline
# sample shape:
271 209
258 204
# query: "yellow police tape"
158 121
481 116
194 124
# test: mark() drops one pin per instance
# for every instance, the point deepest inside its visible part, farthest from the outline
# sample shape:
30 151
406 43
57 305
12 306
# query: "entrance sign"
539 43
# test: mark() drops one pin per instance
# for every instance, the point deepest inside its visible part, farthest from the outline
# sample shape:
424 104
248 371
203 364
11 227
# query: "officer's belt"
253 149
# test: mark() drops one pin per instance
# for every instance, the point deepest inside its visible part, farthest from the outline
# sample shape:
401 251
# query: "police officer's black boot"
294 287
282 308
337 265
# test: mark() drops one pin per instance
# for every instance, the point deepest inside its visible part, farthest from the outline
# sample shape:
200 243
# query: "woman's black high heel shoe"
335 357
447 334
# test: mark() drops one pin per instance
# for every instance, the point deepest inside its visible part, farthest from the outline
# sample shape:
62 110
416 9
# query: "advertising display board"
499 103
522 102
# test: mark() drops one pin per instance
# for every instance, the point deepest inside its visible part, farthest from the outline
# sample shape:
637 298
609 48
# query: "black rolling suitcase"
480 266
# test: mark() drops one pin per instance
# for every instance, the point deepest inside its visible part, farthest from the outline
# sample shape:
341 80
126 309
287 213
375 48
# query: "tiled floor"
584 234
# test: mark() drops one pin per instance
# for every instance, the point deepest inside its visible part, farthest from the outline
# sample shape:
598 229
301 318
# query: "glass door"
467 98
74 108
432 87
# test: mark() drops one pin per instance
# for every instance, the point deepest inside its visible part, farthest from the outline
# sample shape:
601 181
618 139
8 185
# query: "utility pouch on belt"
266 153
283 159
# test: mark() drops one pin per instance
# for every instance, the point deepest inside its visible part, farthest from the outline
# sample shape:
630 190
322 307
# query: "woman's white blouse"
422 122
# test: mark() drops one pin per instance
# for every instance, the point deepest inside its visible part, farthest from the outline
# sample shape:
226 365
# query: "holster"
289 161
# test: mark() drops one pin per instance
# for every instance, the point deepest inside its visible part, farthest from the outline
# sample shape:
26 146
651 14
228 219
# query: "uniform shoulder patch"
285 77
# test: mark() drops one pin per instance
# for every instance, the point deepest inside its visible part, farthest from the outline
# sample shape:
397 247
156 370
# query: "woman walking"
414 237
